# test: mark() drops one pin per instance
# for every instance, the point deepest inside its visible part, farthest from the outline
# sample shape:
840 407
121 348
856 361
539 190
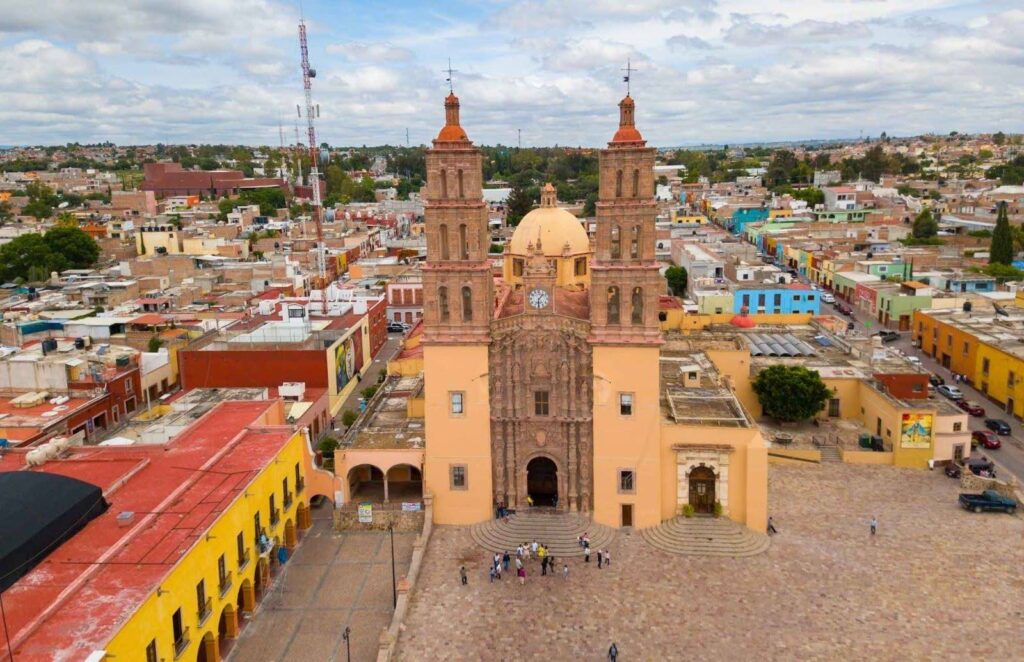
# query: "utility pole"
407 137
519 138
308 74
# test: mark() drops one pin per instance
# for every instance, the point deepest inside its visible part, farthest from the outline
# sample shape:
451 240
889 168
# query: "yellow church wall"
678 320
627 442
565 270
457 439
734 364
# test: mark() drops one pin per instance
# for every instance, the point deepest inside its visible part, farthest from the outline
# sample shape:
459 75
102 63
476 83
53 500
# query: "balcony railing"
181 643
244 559
225 583
275 517
288 500
300 485
204 611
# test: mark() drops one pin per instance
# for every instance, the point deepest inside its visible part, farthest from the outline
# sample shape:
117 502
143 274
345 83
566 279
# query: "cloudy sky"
135 71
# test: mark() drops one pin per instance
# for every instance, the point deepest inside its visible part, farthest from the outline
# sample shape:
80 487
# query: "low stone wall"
389 637
866 457
972 483
780 455
403 522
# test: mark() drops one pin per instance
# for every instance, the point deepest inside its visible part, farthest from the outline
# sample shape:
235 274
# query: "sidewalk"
372 374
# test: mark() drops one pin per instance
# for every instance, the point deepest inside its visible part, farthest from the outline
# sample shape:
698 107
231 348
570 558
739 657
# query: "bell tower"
457 282
625 278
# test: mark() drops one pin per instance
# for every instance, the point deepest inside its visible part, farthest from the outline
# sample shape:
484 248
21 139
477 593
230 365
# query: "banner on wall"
365 513
916 431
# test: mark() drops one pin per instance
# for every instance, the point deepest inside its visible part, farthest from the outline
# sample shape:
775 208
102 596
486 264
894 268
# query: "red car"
986 438
843 309
972 408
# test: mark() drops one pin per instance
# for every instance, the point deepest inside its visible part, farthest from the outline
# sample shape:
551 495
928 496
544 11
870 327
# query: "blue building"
744 216
964 283
777 299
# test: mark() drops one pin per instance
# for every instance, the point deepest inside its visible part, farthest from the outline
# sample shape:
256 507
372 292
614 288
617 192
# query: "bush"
328 445
369 392
155 344
688 510
348 418
790 393
718 509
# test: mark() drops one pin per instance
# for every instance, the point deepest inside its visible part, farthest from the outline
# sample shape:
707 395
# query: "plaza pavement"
936 582
333 580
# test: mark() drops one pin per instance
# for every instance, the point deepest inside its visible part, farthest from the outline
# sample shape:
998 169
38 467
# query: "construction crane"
308 74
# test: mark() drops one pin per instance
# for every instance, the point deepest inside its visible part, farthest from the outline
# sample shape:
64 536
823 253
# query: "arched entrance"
702 490
289 535
542 481
227 630
208 651
302 518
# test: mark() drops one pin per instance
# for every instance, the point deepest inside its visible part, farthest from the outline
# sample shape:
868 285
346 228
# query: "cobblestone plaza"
936 582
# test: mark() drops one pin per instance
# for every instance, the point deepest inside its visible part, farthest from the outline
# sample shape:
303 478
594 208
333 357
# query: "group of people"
502 562
604 556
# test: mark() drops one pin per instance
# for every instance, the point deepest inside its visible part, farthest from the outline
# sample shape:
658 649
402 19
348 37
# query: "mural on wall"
348 359
916 431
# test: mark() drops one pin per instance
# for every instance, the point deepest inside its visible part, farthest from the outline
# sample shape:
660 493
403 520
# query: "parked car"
844 309
888 336
828 297
981 466
972 408
951 392
935 380
998 426
986 438
988 500
396 327
953 470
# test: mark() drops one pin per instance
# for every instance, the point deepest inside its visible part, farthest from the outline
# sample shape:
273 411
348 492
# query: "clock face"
538 298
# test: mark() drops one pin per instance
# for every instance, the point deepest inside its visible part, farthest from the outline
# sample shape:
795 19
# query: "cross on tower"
450 71
629 72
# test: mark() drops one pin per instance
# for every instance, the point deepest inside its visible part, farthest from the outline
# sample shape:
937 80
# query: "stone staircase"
830 453
705 536
559 531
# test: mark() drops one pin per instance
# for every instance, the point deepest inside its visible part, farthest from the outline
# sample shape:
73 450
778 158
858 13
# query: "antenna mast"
308 74
298 156
280 133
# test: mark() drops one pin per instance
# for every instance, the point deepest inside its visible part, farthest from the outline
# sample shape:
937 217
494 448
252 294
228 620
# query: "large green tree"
925 225
76 247
1001 249
790 393
676 278
27 254
518 204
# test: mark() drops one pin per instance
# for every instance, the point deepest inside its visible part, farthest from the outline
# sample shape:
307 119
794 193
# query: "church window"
459 476
462 192
618 184
443 239
455 400
634 243
613 305
616 248
637 316
581 266
626 404
463 243
444 183
467 304
517 267
627 481
636 183
540 403
442 303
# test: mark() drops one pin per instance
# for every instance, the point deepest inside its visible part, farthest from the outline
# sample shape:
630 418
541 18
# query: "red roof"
84 591
152 319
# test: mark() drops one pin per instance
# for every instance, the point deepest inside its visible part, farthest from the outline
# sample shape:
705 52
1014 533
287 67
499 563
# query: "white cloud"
379 51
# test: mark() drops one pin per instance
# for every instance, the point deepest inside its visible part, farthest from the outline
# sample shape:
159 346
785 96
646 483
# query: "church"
549 383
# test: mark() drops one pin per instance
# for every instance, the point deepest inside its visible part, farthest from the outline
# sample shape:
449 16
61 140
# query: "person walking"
771 527
522 575
586 554
519 564
505 560
600 558
565 571
607 559
492 574
543 566
874 524
613 652
462 575
533 547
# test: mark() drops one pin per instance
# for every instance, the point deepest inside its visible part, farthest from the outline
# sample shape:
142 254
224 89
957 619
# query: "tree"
925 225
77 248
677 279
155 344
999 138
790 393
5 212
1001 249
519 204
67 219
26 253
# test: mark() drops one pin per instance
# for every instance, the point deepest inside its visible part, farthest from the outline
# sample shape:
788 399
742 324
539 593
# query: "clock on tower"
538 298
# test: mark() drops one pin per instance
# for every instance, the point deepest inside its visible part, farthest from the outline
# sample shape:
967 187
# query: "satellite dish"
63 205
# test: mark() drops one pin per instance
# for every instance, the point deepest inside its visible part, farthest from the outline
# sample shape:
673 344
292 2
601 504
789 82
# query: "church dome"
552 226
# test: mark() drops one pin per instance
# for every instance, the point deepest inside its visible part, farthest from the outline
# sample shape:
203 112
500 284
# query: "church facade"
550 383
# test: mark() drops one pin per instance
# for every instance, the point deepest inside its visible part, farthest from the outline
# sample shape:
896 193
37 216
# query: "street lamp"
348 651
394 585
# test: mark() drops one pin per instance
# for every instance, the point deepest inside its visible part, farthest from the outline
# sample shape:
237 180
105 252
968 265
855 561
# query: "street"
1009 458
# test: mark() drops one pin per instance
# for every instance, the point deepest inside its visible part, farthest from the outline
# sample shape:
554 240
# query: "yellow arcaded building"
553 383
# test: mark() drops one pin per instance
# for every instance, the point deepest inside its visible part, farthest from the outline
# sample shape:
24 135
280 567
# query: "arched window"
616 247
442 303
634 243
443 238
467 304
444 183
636 183
462 193
613 305
618 184
463 243
637 317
